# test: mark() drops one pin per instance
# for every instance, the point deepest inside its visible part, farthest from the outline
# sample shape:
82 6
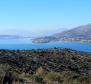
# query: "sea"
26 44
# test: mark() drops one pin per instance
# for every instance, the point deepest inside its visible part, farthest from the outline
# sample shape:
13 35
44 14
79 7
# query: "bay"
27 45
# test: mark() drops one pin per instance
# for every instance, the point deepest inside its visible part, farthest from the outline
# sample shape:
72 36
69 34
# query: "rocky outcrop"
50 59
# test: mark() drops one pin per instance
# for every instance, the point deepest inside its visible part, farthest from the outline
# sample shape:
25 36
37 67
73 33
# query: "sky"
42 17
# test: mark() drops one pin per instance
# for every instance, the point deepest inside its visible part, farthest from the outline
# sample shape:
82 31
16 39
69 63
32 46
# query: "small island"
41 40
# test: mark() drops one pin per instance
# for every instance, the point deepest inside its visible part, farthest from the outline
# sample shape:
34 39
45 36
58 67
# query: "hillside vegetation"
45 66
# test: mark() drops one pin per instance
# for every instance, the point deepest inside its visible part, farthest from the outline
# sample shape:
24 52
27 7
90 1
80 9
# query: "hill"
45 66
81 33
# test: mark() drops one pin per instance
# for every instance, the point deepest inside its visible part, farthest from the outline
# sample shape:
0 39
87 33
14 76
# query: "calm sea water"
27 44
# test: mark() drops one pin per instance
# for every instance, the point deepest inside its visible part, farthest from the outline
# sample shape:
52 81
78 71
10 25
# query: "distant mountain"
81 33
10 37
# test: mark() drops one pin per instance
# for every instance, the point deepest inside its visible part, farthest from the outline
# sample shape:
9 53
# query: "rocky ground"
46 66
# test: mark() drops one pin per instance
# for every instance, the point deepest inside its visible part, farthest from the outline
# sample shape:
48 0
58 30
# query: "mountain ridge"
80 33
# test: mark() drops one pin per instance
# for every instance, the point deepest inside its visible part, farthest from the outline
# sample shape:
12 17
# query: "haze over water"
35 18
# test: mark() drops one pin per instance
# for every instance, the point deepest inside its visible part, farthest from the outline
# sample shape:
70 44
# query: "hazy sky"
40 17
